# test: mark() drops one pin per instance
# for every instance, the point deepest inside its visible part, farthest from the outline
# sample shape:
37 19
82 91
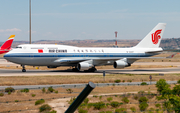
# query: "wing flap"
70 61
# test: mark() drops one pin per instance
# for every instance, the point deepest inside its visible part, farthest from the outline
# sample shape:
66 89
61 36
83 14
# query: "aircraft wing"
76 61
70 61
153 51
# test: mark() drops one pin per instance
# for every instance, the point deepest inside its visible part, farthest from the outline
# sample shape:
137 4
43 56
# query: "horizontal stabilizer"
153 51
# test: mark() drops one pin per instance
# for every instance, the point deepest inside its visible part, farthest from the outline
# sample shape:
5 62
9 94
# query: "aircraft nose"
7 56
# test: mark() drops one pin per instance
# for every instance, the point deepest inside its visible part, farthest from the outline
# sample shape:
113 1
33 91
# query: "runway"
14 72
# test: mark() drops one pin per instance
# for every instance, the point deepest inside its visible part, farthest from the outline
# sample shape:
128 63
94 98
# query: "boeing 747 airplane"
6 47
86 58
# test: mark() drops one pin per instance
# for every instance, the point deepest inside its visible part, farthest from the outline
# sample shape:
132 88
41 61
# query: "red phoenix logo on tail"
156 36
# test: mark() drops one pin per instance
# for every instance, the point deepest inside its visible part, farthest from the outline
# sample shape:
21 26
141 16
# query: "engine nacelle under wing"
121 64
83 66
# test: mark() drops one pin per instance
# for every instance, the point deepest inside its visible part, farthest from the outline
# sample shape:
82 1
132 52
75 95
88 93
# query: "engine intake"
120 64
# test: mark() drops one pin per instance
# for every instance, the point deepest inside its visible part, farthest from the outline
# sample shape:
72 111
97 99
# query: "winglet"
11 37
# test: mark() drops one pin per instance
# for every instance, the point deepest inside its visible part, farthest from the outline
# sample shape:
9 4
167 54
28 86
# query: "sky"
87 19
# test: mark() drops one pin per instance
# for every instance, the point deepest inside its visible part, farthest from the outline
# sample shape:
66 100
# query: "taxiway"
38 72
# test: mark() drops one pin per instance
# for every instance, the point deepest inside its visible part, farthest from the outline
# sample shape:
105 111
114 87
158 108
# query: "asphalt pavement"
18 72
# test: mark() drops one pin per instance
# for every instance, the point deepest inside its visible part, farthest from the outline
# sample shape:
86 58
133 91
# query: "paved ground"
12 72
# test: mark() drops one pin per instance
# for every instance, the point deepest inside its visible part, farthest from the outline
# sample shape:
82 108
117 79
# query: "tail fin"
171 56
7 44
153 38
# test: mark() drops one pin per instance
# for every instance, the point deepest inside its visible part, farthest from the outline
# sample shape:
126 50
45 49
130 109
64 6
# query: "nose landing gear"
23 68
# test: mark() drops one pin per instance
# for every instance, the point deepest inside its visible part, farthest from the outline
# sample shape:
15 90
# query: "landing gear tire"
93 69
75 70
23 70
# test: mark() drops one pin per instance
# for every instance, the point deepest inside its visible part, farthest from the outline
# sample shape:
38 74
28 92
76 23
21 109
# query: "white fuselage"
59 55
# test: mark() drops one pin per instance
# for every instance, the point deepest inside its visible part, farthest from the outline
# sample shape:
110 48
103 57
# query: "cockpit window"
19 47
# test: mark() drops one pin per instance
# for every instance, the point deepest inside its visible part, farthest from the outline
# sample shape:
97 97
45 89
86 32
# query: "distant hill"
170 43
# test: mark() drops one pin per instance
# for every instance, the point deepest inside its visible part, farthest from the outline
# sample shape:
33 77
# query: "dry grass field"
24 101
1 55
74 79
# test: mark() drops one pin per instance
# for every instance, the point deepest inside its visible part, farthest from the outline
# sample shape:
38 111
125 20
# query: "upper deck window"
37 48
52 48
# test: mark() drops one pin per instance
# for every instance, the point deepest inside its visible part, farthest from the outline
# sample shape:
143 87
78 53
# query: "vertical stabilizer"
7 44
153 38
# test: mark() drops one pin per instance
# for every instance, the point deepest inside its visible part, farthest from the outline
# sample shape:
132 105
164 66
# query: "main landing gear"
75 70
23 68
93 69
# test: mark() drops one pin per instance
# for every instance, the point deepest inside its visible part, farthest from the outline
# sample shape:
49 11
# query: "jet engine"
83 66
121 64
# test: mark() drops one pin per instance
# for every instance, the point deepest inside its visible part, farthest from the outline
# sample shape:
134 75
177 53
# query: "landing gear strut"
75 70
23 68
93 69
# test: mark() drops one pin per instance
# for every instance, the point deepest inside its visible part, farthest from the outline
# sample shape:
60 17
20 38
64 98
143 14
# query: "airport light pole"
29 21
116 38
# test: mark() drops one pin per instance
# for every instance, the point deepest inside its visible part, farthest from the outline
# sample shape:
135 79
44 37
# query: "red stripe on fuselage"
40 50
